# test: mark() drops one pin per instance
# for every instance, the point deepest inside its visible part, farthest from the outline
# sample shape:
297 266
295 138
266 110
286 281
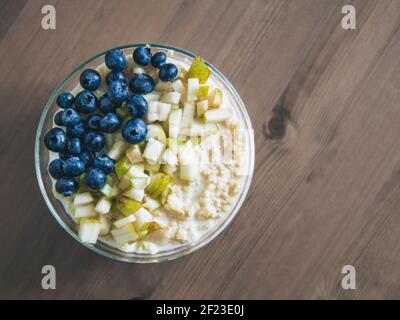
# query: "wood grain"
324 106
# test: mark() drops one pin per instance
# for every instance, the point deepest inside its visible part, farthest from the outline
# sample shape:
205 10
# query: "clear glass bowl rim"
173 255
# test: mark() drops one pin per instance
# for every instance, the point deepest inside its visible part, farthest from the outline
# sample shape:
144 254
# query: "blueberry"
93 122
104 163
115 76
64 156
86 102
134 131
142 56
115 60
168 72
56 140
118 91
106 105
158 59
137 105
65 100
87 158
94 141
142 84
67 186
95 178
110 123
90 79
74 146
58 119
56 168
73 167
70 117
76 130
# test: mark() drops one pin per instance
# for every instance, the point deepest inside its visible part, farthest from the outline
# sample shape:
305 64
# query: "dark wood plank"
326 189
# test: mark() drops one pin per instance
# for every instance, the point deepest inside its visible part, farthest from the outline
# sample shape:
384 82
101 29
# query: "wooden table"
325 106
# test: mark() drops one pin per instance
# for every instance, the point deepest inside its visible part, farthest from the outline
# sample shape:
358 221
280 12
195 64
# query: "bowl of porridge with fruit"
144 153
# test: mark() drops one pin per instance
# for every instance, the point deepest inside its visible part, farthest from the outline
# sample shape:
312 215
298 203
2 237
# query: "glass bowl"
62 216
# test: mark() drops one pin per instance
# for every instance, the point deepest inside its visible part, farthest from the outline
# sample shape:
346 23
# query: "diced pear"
125 234
153 168
83 198
138 70
136 170
152 96
136 194
192 88
158 184
103 205
178 86
200 129
171 97
216 99
124 183
187 118
154 150
172 145
134 154
189 168
85 211
174 121
117 150
217 115
156 132
109 191
169 157
142 216
124 221
127 206
164 110
140 182
164 195
89 230
105 225
201 107
122 166
151 204
163 86
153 107
168 169
151 117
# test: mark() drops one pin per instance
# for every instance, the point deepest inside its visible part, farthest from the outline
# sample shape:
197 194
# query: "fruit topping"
199 70
90 79
168 72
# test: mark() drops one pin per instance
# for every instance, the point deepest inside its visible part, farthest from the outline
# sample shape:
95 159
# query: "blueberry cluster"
80 145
